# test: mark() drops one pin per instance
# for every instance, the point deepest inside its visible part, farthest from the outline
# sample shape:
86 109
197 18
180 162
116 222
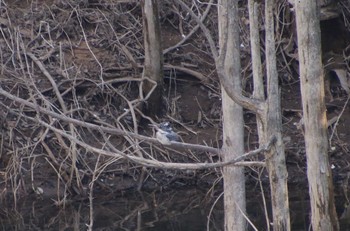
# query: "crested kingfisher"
165 134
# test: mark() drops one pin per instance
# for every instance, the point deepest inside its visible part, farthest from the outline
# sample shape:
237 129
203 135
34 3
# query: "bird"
165 134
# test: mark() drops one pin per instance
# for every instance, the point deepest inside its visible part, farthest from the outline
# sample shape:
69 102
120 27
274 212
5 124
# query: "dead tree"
272 125
233 123
268 111
153 64
323 214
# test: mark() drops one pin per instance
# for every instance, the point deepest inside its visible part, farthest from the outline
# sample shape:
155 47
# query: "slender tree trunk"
233 124
323 214
258 78
153 64
269 111
275 158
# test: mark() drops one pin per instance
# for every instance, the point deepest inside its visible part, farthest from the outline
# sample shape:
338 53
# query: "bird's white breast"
162 137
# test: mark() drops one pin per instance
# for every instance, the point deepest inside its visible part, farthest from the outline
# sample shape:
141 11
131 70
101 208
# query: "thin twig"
207 10
337 121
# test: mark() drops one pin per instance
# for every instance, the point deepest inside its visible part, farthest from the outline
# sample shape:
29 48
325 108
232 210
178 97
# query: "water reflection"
177 210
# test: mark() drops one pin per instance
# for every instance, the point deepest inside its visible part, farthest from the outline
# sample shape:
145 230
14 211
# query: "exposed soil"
79 43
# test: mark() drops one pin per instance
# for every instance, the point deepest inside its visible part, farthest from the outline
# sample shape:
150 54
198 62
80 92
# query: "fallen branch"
114 131
135 159
193 73
160 164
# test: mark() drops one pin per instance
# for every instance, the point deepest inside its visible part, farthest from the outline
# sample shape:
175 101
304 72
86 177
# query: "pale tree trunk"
233 124
272 125
323 214
258 81
153 64
268 111
258 78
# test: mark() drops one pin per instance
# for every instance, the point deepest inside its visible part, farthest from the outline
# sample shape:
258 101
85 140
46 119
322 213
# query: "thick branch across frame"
135 159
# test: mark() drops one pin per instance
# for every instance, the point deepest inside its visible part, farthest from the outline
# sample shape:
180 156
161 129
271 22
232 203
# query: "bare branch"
136 159
210 3
255 105
239 161
203 27
196 74
109 130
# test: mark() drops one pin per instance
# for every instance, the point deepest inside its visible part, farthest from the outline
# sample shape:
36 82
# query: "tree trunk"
269 111
258 78
275 158
233 124
153 64
323 214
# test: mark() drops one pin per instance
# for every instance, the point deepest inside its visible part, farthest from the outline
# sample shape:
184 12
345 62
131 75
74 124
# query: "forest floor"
77 51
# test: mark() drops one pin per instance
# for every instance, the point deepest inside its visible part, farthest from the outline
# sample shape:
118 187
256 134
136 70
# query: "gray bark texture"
323 214
153 65
272 124
233 123
258 78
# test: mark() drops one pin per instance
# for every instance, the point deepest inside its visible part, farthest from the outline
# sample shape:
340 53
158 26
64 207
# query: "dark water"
173 210
178 210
